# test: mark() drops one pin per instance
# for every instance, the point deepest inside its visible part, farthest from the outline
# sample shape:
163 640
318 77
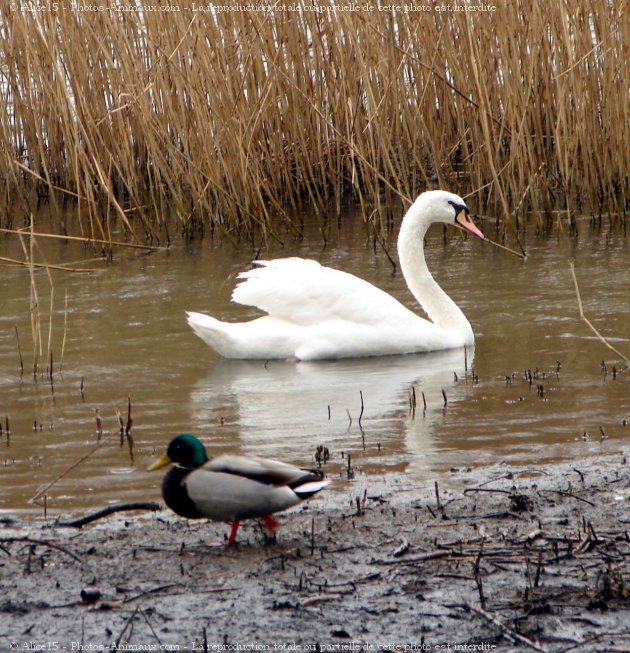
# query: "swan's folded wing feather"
304 292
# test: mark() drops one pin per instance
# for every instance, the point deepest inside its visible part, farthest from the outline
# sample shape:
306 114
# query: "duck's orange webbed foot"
271 524
233 531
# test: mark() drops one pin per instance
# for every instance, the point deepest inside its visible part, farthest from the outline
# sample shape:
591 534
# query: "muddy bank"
498 559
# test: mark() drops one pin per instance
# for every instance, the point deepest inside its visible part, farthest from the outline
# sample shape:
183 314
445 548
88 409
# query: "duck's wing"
263 470
231 487
306 293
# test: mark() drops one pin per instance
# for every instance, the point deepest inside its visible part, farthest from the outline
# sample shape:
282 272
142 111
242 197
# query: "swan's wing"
304 292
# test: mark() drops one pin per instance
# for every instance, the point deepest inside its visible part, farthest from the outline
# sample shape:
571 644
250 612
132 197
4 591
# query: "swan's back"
306 293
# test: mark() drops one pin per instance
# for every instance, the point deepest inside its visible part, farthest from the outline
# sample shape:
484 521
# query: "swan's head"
442 206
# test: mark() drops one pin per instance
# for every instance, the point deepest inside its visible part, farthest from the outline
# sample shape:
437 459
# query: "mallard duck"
231 488
315 312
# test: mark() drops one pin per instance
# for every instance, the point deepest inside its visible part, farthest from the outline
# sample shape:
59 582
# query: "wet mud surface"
498 558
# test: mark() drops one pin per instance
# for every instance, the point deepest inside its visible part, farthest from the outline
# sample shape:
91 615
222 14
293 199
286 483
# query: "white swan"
315 312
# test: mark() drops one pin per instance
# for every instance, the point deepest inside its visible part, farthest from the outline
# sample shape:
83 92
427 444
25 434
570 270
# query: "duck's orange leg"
271 524
232 537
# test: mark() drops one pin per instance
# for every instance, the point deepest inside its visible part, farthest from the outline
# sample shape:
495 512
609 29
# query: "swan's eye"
459 208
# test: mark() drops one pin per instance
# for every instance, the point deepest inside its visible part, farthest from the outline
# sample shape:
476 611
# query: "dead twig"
153 590
484 489
433 555
589 323
506 630
32 540
66 471
564 493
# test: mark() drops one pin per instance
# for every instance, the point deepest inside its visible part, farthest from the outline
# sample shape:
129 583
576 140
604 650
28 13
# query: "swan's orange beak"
462 219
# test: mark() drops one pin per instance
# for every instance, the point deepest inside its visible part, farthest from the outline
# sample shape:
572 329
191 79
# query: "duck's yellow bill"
162 462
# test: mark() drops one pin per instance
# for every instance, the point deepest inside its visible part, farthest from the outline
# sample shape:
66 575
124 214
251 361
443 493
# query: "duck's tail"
309 488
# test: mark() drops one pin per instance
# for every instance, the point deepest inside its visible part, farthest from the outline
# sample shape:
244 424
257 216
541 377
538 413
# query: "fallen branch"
109 510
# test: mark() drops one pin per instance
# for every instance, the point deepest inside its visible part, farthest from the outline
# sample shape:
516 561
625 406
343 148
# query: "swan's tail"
212 331
262 338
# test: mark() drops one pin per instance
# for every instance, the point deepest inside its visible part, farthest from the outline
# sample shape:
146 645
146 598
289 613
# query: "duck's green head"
186 450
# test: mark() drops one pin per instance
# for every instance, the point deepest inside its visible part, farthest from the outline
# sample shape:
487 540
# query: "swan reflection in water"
278 409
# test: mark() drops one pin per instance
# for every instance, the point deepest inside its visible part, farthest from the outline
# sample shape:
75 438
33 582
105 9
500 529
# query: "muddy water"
126 337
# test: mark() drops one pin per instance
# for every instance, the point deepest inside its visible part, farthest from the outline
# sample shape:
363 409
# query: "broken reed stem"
438 503
50 326
380 241
86 240
65 331
17 337
49 356
479 583
588 322
46 266
99 423
361 413
478 578
129 423
412 402
34 302
520 254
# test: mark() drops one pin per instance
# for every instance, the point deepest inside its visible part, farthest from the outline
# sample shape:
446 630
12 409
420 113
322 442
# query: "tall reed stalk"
233 118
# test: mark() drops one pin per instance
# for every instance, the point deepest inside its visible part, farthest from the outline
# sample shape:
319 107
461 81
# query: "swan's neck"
440 308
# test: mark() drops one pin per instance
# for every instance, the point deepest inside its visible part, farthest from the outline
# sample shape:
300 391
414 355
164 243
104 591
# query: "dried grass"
235 119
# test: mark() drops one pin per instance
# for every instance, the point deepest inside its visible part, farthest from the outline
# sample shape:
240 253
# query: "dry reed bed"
235 118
